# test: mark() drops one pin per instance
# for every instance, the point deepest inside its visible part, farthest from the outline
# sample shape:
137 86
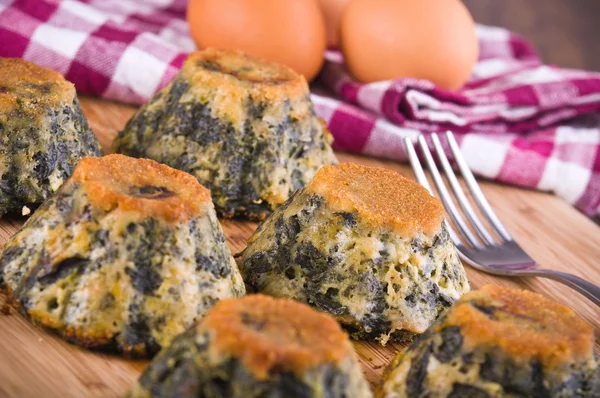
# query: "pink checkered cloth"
517 121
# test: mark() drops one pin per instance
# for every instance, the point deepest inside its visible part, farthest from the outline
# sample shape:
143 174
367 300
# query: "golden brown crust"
141 186
241 66
265 80
382 197
525 325
267 333
23 81
71 334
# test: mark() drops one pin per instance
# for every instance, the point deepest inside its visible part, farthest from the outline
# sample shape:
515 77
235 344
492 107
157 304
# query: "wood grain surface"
34 363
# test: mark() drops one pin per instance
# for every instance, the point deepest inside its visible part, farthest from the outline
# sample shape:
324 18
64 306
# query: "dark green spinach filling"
184 370
300 259
143 246
53 142
516 379
241 170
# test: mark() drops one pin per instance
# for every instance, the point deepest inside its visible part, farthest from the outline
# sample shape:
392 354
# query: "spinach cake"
363 244
257 347
43 134
126 255
244 127
498 342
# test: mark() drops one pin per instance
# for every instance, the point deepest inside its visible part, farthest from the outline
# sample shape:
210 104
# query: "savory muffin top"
30 87
236 66
230 79
275 334
523 324
382 197
141 186
241 67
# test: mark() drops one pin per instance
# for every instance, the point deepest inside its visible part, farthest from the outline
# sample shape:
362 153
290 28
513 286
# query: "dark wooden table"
564 32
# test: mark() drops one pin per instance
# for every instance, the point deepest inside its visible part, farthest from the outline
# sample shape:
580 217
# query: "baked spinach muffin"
499 342
363 244
43 134
126 255
244 127
257 346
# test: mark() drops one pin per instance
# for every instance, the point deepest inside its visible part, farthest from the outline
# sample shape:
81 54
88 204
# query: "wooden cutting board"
34 363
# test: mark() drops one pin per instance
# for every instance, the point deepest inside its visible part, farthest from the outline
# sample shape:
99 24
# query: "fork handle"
584 287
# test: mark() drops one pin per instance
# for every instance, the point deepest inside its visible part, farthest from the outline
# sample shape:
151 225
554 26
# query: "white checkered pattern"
518 121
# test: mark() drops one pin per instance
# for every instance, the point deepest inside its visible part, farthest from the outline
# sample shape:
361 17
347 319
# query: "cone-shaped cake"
244 127
499 342
255 347
43 133
363 244
126 255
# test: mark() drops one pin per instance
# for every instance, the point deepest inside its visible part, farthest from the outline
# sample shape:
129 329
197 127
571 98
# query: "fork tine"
416 165
445 196
476 192
422 179
459 193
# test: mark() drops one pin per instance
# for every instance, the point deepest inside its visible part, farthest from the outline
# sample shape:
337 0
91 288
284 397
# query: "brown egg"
332 11
291 32
425 39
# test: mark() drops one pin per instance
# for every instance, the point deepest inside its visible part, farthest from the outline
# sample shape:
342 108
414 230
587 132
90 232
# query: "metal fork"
481 251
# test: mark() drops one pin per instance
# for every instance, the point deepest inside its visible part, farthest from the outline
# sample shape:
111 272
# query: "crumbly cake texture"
244 127
499 342
126 255
363 244
257 346
43 133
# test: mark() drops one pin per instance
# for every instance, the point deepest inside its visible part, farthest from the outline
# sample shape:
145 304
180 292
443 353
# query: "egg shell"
332 11
424 39
290 32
